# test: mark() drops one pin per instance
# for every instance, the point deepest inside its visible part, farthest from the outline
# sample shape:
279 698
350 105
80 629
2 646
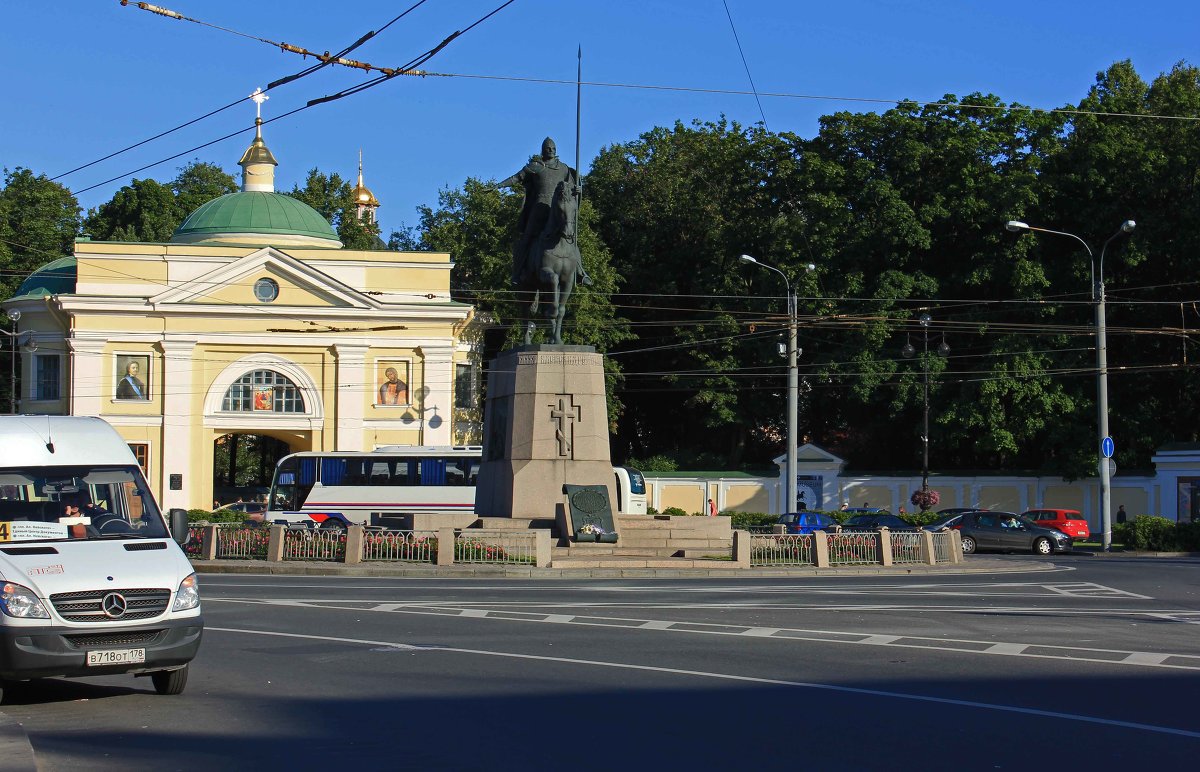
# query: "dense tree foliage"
146 210
39 220
333 197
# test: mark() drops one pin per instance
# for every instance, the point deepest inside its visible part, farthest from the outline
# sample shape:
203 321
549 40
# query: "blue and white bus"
337 489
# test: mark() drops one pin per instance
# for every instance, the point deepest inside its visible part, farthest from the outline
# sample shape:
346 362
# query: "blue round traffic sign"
1108 447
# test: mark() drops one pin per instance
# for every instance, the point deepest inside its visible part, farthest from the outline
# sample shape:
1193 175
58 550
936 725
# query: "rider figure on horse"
539 179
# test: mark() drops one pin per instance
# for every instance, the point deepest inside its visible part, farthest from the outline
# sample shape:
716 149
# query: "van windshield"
97 502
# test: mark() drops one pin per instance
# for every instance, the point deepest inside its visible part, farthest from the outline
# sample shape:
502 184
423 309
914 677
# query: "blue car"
805 522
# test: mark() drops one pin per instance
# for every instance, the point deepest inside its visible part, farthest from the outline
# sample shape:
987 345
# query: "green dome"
55 278
253 213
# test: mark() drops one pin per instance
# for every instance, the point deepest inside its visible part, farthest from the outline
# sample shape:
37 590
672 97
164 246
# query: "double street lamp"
909 351
1017 226
793 397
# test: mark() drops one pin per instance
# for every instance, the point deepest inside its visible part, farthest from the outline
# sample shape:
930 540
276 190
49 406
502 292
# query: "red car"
1069 521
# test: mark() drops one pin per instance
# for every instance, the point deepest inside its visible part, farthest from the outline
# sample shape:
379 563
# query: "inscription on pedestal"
551 359
564 415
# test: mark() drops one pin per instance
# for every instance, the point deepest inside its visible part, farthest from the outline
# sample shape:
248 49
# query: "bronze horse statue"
552 264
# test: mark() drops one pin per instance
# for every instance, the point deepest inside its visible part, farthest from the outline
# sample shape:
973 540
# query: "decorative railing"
908 547
399 546
314 544
853 548
494 547
240 543
944 547
782 550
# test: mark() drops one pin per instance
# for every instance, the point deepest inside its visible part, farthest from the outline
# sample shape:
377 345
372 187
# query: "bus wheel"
333 524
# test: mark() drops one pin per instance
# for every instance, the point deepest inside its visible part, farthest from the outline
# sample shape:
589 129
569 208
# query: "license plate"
116 657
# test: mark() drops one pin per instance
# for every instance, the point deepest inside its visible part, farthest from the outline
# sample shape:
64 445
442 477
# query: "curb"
16 752
303 568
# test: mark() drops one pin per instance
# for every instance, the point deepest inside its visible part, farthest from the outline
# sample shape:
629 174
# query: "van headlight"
188 594
21 602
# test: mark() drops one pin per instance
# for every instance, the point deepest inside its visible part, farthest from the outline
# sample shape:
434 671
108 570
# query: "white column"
86 386
437 381
180 424
352 386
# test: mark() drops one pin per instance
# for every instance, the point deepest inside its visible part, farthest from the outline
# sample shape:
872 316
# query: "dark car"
805 522
1008 532
876 520
950 518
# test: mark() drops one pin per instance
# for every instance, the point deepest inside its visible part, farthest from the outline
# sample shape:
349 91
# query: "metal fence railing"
495 547
314 544
240 543
853 547
943 547
399 546
782 550
906 547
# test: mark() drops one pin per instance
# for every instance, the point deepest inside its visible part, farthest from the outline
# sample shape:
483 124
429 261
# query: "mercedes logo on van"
114 605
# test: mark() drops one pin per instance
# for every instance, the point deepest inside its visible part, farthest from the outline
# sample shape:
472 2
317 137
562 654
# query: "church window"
263 391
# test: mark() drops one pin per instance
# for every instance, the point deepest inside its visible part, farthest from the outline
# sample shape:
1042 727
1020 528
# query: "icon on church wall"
392 378
133 373
264 399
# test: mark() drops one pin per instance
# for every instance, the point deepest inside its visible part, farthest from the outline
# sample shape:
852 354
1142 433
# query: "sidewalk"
973 565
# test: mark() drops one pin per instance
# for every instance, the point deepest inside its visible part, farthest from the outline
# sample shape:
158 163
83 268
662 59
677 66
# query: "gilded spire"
258 165
364 200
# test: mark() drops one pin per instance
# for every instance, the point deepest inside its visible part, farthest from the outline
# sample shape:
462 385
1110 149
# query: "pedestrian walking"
1121 514
712 508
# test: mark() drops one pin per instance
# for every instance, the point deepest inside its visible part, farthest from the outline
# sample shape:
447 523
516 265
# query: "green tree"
39 220
677 206
1130 165
333 197
146 210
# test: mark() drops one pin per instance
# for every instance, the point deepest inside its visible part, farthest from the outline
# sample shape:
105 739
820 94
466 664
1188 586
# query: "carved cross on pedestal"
564 415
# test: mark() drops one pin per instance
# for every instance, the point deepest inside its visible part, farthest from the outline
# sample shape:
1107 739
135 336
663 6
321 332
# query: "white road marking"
955 645
740 679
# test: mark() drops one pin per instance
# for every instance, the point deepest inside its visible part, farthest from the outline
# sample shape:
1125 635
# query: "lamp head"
1016 226
747 259
1126 227
14 314
810 266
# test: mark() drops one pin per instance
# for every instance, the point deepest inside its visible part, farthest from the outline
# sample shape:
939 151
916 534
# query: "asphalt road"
1094 665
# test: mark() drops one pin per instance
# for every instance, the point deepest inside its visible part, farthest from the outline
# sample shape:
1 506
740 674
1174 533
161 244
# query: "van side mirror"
179 526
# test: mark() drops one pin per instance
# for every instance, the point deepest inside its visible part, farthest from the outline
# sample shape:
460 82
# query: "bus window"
333 471
433 471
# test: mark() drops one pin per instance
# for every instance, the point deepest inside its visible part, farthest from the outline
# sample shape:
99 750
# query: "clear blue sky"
88 77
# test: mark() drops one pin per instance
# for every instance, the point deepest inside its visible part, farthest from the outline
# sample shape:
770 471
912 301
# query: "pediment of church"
265 279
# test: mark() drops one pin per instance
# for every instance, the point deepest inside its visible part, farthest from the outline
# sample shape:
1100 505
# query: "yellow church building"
252 319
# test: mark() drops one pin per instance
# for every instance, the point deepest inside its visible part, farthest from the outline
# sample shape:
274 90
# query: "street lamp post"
1017 226
793 397
908 351
14 316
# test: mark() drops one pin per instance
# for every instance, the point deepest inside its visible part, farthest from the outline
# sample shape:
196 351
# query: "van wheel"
170 681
